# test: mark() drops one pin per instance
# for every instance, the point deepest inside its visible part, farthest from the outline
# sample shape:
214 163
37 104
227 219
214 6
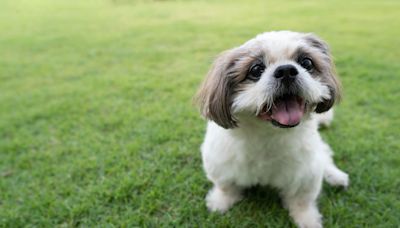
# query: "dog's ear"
327 104
215 94
327 74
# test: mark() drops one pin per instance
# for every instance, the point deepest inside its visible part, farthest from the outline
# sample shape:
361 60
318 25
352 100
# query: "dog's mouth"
285 112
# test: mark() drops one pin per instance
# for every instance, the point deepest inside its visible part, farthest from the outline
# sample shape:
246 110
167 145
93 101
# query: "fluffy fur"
251 141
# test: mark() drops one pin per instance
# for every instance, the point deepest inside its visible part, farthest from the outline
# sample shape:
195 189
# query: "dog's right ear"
215 94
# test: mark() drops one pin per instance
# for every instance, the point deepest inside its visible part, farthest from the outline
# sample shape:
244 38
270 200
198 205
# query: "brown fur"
327 73
215 94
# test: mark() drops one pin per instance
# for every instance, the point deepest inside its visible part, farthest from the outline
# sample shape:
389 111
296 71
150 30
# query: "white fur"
291 160
294 160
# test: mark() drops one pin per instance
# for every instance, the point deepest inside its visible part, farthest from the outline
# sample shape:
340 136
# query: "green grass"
97 126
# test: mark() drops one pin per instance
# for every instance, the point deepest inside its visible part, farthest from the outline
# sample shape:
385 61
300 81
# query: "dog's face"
276 77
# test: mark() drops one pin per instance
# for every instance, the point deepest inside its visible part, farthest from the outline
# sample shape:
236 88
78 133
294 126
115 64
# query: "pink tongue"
288 111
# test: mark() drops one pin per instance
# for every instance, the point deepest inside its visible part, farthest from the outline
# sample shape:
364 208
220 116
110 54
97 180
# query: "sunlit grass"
97 125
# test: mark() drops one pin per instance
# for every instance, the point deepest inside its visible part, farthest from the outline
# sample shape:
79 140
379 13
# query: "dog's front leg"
222 197
302 205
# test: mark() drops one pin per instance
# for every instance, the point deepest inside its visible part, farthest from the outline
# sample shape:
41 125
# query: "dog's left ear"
328 73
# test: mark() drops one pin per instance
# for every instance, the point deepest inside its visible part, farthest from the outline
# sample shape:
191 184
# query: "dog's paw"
325 119
308 224
308 218
336 177
219 201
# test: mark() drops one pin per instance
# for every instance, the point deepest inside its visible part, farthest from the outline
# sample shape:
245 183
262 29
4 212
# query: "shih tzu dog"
265 101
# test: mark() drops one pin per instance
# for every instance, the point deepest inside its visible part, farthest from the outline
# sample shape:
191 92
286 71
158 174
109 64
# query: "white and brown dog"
265 101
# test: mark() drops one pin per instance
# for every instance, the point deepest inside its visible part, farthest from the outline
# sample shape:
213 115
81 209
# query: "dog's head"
275 77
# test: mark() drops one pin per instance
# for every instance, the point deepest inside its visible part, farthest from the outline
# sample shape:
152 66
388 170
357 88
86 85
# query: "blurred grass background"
97 125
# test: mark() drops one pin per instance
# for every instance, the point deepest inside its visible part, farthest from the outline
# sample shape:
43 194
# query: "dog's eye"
307 64
256 71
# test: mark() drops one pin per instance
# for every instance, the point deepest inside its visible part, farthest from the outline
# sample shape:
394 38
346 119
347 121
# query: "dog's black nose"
287 73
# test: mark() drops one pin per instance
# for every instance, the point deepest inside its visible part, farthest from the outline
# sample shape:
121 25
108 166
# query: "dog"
264 102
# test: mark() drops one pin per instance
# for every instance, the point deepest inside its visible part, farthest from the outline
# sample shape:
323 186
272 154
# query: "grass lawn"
97 126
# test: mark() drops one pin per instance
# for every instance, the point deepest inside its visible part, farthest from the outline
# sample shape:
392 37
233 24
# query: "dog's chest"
268 161
259 156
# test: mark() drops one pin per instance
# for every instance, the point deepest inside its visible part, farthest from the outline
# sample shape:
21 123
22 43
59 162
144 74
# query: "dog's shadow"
261 195
262 199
